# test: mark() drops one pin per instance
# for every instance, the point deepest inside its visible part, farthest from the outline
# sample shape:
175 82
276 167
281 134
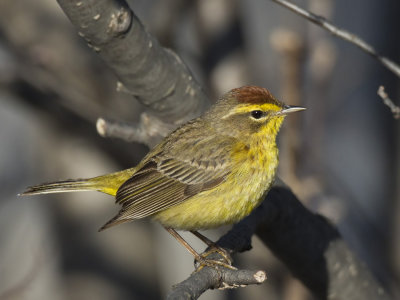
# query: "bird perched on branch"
211 171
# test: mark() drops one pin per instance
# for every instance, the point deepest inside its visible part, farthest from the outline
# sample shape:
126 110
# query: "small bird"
213 170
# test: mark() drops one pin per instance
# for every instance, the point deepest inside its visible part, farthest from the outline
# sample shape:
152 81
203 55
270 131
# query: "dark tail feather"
114 221
60 187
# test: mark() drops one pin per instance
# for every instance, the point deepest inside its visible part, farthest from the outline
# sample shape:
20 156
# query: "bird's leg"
200 259
205 239
213 247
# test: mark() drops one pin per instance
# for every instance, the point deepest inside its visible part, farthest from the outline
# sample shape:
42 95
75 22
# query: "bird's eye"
257 114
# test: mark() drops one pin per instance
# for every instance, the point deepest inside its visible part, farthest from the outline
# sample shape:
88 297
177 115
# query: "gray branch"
155 76
341 33
147 131
211 278
388 102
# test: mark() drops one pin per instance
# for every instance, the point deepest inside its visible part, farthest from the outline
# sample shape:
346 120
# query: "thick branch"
343 34
154 75
308 244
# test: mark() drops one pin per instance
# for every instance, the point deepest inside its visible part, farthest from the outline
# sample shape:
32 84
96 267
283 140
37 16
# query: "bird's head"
250 110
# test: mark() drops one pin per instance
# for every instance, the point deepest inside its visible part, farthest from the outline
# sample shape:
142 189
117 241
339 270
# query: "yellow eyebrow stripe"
242 108
263 107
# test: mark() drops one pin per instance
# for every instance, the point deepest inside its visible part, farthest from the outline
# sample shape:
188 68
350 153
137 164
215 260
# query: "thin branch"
146 131
211 278
388 102
155 76
341 33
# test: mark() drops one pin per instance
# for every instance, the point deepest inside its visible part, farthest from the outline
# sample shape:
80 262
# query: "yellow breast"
235 198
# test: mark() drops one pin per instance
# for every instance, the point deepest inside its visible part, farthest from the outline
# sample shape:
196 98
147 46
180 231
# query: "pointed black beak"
287 109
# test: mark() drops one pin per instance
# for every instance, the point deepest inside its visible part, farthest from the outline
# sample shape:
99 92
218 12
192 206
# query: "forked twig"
342 33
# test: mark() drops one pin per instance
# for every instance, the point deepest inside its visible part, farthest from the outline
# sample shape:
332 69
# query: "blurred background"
341 157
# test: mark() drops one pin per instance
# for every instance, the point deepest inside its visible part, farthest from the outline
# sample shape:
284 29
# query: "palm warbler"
211 171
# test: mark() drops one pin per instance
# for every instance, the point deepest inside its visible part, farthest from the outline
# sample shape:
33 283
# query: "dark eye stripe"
257 114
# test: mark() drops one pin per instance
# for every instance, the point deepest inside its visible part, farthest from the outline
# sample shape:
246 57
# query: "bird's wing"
175 174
